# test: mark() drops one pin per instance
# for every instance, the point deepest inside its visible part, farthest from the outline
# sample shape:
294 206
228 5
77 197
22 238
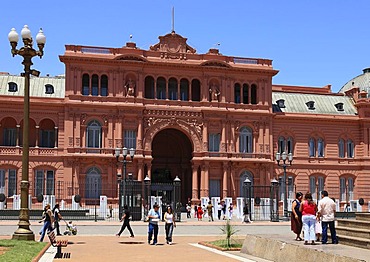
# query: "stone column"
56 137
140 170
37 136
205 136
17 134
224 180
223 137
195 189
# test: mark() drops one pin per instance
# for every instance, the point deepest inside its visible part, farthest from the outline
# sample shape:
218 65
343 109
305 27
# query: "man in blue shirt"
154 217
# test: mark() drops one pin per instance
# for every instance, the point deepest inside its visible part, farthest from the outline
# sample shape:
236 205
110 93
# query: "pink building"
210 119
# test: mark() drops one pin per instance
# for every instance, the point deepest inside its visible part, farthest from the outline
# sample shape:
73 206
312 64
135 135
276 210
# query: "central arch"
172 152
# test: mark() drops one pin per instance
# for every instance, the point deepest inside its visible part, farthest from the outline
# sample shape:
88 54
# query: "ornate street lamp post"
123 182
284 160
27 52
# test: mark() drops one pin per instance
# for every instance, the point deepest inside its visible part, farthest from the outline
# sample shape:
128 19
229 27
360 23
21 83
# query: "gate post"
274 200
146 196
248 195
177 197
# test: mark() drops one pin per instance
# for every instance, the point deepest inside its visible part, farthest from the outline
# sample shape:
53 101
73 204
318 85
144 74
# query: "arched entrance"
172 152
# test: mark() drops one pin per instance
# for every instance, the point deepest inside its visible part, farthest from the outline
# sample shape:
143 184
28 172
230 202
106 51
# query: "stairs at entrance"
355 232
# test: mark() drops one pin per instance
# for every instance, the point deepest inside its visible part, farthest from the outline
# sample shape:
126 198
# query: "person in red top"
308 209
200 213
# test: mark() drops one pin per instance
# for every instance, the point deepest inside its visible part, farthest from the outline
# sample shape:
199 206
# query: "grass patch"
223 243
20 250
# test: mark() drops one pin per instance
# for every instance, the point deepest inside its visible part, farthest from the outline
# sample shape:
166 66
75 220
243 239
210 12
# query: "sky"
311 42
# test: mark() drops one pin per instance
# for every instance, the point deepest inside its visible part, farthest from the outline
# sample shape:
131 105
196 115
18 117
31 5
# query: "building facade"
210 119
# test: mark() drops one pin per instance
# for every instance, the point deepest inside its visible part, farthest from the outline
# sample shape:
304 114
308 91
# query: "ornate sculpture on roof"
172 43
214 92
130 87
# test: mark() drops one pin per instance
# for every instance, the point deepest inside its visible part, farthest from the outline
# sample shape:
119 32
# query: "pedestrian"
326 211
154 217
195 211
188 211
231 211
126 221
296 216
219 210
110 211
57 218
210 211
308 209
223 210
200 213
246 218
48 221
170 223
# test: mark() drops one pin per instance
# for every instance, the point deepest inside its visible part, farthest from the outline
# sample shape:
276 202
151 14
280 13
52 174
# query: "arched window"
104 85
281 145
95 85
350 149
161 88
312 147
184 90
8 182
320 147
290 187
290 145
237 95
172 89
195 90
341 148
243 190
44 182
149 87
93 183
346 189
253 94
245 94
85 84
317 184
94 134
245 140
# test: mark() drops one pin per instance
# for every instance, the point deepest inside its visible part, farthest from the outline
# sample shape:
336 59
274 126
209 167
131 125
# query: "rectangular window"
2 181
10 136
312 148
214 188
350 149
50 182
214 142
320 186
47 138
341 148
291 188
342 188
320 148
313 187
130 139
12 182
350 188
39 182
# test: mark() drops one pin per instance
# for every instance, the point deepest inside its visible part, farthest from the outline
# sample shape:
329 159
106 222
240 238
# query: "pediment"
215 63
172 43
131 57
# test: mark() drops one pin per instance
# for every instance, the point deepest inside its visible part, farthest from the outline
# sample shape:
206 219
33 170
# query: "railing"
34 151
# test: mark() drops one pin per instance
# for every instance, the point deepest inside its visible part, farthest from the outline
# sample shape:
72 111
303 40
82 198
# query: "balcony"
34 151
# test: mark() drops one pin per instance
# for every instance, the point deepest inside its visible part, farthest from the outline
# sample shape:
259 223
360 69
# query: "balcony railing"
34 151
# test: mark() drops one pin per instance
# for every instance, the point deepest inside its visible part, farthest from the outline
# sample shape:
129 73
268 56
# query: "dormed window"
245 140
49 89
13 87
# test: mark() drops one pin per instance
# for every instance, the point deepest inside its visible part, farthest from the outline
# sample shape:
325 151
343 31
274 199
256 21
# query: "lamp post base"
23 232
